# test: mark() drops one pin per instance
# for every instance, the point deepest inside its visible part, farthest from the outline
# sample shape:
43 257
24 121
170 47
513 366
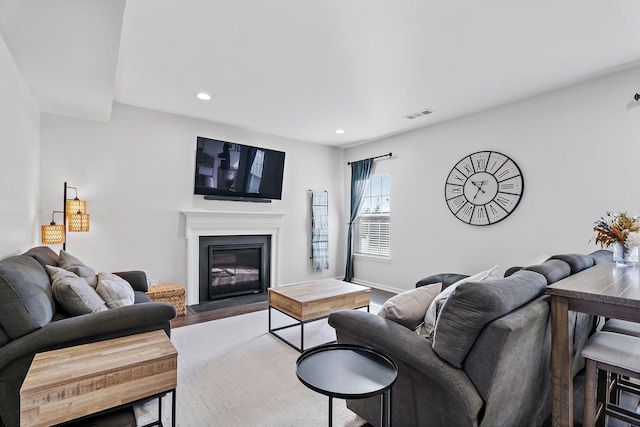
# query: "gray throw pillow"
474 304
73 293
114 290
408 308
431 316
74 265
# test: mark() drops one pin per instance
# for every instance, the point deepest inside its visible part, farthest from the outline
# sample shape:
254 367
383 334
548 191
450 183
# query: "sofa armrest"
447 279
90 328
136 278
442 389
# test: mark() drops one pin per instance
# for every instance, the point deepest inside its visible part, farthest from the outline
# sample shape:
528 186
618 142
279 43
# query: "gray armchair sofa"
489 363
31 321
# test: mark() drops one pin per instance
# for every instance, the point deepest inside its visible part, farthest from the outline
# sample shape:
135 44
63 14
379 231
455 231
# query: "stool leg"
603 396
589 412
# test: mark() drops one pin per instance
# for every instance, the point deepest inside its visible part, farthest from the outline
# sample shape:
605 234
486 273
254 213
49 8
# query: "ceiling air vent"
418 114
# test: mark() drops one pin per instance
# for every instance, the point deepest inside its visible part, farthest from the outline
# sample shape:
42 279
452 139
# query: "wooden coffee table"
75 382
307 302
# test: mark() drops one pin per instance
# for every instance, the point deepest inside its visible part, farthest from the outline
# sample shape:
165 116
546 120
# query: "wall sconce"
53 233
75 214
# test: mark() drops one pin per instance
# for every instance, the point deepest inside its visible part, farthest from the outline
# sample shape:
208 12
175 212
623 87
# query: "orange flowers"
616 228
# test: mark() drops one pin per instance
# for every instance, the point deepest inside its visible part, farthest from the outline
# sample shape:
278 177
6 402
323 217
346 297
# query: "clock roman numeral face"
480 160
484 188
465 166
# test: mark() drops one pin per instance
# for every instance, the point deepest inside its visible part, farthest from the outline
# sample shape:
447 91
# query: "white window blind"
372 228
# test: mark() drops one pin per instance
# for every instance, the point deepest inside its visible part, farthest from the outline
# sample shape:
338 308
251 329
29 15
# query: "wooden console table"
75 382
602 290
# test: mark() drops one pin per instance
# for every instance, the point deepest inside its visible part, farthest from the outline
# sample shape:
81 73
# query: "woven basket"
173 293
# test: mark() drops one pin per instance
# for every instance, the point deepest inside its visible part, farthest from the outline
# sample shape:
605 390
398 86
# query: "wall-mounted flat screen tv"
228 170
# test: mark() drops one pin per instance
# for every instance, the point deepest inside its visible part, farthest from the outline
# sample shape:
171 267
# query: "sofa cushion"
601 256
74 265
114 290
474 304
73 293
577 262
26 300
408 308
4 338
431 316
552 270
44 255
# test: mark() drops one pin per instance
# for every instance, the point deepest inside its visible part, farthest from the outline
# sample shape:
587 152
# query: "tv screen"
231 170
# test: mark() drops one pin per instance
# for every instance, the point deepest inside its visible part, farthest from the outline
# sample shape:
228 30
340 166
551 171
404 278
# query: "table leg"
561 363
385 410
330 411
173 409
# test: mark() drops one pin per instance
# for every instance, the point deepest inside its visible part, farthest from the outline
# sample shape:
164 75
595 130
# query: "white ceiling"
302 69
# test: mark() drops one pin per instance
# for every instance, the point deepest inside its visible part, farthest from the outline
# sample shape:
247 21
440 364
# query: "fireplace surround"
221 223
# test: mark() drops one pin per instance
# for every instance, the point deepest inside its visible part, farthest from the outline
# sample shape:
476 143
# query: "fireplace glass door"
234 270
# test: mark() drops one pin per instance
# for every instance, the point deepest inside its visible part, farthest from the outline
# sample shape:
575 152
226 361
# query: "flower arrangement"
617 227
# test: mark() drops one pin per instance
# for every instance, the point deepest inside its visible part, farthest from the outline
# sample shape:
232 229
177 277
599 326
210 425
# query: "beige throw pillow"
73 293
408 308
114 290
74 265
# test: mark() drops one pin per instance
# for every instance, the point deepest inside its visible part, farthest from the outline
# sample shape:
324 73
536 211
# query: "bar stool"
626 328
622 327
607 353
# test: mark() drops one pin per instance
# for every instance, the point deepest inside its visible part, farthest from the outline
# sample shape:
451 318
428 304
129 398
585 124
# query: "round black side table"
349 371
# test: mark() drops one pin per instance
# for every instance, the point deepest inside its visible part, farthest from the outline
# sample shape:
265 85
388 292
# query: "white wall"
137 173
578 149
19 151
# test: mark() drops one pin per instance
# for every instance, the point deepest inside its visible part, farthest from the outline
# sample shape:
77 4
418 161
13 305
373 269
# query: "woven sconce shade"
73 206
79 222
53 234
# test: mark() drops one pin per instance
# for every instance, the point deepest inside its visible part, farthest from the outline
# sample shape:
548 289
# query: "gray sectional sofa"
489 364
31 321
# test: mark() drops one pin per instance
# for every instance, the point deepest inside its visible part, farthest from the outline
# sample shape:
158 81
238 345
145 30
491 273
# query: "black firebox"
233 265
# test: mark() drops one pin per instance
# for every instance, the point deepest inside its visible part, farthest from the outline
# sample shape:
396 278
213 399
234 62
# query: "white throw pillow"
431 316
114 290
73 293
408 308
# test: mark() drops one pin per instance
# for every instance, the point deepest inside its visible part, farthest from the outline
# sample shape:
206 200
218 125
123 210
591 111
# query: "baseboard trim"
378 286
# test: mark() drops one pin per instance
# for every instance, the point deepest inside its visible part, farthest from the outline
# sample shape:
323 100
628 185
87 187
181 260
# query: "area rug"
233 372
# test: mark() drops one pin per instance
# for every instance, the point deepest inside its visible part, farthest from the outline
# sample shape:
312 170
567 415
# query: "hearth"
231 266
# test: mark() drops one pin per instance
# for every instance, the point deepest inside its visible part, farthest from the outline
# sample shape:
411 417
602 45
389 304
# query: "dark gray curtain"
360 173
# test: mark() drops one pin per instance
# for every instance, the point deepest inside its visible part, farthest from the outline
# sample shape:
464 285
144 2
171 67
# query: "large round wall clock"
484 188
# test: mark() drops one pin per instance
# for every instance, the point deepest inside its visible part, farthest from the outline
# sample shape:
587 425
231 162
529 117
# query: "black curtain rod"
376 157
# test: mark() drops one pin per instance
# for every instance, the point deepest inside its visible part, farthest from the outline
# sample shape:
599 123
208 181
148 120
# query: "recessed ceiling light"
204 96
339 131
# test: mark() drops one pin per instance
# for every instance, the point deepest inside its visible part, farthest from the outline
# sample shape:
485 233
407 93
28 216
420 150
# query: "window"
372 225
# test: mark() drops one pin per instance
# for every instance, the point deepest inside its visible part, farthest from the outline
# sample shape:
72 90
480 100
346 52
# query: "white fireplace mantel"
222 223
